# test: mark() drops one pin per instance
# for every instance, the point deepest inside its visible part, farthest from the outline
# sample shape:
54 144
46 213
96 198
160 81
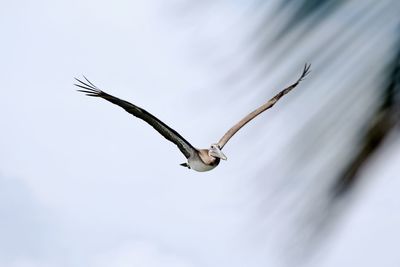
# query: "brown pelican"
197 159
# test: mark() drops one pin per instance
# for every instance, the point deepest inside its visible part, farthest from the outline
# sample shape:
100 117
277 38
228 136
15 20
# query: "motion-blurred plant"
350 106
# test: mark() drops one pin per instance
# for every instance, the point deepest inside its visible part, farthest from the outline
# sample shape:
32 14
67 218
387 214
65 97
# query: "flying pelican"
197 159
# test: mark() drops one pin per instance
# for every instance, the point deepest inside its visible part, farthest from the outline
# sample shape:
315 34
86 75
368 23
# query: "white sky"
82 183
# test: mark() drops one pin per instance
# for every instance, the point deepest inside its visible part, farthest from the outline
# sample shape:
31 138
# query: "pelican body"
200 160
205 159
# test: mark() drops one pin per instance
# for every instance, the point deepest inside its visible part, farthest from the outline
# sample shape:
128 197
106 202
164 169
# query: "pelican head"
215 151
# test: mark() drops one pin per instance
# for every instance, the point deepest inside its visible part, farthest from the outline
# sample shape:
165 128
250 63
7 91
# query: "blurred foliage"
305 8
385 116
351 101
367 132
380 125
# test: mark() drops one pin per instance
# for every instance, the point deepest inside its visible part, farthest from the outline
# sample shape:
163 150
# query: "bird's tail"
185 165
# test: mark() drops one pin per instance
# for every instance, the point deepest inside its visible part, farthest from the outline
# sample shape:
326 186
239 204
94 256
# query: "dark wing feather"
170 134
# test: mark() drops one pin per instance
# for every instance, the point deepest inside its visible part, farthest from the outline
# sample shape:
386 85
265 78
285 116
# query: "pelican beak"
216 152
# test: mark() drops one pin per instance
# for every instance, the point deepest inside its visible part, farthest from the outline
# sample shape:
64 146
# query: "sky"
82 183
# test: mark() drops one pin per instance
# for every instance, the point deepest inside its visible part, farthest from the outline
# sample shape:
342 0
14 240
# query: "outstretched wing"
261 109
170 134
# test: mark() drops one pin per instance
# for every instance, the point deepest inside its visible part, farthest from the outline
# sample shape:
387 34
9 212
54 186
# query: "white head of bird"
215 151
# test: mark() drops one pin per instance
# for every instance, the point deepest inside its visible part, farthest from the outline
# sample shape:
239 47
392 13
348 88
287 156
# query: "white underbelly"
200 166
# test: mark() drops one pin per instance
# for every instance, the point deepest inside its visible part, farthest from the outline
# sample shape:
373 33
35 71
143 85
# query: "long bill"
217 153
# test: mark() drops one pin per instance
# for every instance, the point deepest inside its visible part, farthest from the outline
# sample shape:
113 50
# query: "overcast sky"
82 183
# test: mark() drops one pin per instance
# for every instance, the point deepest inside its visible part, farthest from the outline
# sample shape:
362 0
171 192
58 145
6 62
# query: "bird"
200 160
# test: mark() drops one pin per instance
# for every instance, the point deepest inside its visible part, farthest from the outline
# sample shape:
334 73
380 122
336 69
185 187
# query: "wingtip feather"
87 87
306 71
